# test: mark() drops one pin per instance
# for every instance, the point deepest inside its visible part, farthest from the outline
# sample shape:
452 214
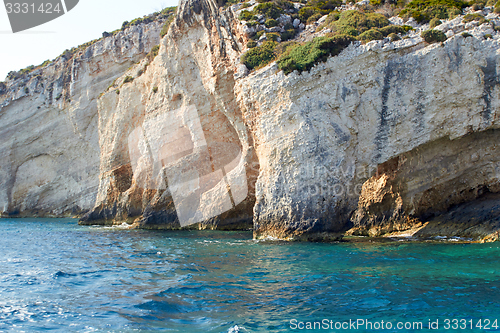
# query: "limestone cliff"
49 147
174 147
387 138
381 138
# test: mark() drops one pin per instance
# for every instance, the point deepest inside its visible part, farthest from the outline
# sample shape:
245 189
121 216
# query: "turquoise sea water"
58 276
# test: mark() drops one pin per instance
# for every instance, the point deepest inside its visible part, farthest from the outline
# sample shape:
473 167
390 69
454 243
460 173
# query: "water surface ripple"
61 277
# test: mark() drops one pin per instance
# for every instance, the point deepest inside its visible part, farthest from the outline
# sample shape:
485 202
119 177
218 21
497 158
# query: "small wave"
453 239
59 274
236 329
124 225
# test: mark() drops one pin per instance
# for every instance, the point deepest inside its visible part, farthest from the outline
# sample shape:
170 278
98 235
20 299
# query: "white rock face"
174 148
321 134
49 150
284 19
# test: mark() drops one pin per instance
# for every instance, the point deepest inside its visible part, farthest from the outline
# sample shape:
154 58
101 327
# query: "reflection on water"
56 275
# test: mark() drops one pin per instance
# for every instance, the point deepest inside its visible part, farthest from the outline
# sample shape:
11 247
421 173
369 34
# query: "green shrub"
433 36
13 75
155 90
420 17
245 15
166 26
269 9
258 34
273 36
392 29
284 48
369 35
317 7
246 5
487 36
394 37
425 10
251 44
27 70
479 4
45 63
453 12
271 23
466 34
166 12
128 79
260 55
376 20
227 3
332 17
284 4
252 23
424 4
110 86
153 53
142 20
324 5
474 17
118 91
306 12
313 18
353 22
435 22
288 34
304 57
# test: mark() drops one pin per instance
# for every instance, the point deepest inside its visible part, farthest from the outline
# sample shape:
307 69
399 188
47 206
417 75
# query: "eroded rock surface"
430 112
174 148
49 147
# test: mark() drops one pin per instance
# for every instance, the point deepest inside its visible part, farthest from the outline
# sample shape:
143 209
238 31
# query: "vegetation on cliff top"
170 19
425 10
167 13
304 57
345 27
260 55
433 36
366 23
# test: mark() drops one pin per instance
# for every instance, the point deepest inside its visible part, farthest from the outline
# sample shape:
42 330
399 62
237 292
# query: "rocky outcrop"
174 148
49 151
424 116
385 139
425 183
